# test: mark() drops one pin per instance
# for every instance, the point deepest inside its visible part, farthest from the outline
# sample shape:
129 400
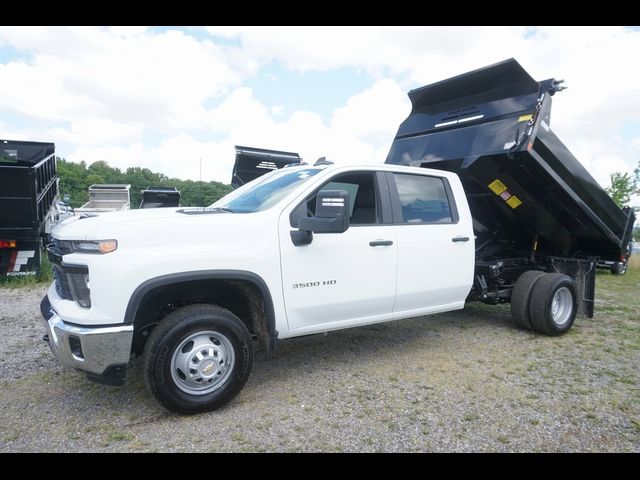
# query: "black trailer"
28 191
158 197
534 206
252 163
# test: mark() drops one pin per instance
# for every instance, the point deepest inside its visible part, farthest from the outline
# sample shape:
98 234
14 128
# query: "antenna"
200 168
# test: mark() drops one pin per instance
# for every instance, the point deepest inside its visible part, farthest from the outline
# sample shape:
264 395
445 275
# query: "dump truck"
252 163
106 197
534 206
29 204
507 214
160 197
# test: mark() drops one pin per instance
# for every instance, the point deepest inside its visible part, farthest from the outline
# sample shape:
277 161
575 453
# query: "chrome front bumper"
99 351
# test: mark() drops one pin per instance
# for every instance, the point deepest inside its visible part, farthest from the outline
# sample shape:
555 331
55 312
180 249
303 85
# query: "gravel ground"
464 381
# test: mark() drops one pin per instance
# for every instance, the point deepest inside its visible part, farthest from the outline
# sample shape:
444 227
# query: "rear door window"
423 199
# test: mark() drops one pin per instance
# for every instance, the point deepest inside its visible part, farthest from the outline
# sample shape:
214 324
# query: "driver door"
341 279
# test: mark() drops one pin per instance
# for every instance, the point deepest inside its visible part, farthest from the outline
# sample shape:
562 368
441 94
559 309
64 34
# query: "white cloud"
159 79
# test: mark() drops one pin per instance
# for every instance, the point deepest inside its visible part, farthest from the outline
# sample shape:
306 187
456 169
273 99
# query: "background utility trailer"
158 197
252 163
106 197
28 204
534 206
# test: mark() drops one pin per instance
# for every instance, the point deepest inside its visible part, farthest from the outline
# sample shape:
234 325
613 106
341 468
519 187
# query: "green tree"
93 178
75 179
623 186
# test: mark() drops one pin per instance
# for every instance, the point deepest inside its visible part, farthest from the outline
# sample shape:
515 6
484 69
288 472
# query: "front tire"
553 304
197 359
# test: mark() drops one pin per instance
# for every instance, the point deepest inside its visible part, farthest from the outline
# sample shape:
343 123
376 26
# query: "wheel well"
244 298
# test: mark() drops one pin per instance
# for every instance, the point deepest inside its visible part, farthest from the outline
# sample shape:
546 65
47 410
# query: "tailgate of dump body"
252 163
492 127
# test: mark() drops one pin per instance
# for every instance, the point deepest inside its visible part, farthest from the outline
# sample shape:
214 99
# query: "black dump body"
251 163
28 187
525 189
158 197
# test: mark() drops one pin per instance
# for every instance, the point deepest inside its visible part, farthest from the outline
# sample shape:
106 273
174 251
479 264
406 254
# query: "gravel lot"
466 381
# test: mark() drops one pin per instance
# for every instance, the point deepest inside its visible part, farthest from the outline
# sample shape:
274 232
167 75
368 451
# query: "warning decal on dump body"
497 187
501 190
514 202
524 118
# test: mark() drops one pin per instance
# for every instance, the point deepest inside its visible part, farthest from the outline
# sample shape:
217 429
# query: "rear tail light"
7 244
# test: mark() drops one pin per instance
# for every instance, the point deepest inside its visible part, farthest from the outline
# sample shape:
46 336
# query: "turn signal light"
107 246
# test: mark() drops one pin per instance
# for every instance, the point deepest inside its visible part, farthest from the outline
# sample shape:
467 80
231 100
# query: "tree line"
75 179
622 187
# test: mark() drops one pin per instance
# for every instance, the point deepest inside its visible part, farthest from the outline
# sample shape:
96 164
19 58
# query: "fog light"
76 347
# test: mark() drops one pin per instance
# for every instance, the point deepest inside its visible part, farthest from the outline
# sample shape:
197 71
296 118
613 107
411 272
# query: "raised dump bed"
252 163
528 194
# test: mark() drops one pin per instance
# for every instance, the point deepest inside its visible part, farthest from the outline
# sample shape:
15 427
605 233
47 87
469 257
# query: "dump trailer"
158 197
106 197
254 162
28 197
534 206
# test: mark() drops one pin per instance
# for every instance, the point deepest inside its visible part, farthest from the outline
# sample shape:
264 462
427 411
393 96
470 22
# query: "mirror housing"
332 216
331 213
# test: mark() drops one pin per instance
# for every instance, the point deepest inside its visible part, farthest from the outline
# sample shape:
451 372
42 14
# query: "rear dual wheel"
619 268
544 302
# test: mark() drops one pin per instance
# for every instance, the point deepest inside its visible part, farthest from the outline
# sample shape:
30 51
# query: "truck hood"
115 225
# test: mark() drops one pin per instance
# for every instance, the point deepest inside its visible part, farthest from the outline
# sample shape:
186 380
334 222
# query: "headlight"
94 246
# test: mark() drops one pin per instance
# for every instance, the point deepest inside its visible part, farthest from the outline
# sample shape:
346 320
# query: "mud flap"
584 272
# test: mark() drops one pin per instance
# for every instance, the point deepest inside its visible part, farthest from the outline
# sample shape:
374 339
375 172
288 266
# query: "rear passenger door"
435 243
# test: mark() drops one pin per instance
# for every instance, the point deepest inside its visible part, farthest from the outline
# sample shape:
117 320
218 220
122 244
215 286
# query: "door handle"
380 243
460 239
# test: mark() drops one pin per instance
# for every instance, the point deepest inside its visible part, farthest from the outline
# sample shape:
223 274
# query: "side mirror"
332 216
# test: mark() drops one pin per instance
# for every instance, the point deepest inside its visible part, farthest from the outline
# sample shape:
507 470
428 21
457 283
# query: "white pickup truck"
301 250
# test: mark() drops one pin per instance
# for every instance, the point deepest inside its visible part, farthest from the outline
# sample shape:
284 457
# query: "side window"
364 204
423 199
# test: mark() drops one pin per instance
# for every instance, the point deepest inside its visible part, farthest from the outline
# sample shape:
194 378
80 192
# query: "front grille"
71 281
60 247
62 283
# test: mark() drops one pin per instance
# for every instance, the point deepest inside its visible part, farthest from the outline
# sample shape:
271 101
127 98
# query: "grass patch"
118 436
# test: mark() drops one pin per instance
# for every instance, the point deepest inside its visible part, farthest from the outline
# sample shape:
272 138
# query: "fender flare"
164 280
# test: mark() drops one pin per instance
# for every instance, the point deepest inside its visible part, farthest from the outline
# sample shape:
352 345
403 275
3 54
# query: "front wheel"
198 358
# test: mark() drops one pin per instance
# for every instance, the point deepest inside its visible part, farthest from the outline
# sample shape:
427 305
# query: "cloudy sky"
164 97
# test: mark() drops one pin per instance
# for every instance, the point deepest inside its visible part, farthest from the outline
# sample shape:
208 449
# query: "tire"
553 304
207 337
520 298
619 268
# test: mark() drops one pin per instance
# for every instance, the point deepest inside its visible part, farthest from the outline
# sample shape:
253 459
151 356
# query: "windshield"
269 192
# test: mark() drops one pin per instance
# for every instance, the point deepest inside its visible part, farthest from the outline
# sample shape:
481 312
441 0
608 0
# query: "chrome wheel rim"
202 362
561 306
